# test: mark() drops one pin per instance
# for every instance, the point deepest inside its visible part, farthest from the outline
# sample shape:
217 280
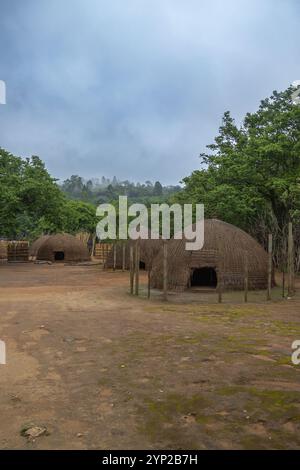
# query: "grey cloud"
137 88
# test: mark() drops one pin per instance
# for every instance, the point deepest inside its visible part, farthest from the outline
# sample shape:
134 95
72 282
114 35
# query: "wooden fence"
18 251
102 251
3 249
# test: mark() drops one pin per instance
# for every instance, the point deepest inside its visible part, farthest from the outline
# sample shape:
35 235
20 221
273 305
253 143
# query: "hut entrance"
204 277
59 255
142 265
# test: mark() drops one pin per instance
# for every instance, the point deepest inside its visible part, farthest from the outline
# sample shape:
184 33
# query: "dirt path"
102 370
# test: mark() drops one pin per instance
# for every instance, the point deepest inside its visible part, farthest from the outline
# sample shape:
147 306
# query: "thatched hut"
115 251
148 250
61 247
222 259
35 246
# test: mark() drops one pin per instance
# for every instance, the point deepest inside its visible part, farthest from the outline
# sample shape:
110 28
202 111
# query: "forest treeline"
99 191
250 177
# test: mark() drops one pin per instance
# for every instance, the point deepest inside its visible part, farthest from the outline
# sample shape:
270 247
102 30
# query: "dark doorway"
59 255
142 265
204 277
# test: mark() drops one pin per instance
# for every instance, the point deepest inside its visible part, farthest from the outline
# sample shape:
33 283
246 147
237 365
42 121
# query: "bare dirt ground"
100 369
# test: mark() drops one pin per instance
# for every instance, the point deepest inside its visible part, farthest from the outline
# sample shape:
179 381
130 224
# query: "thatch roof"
52 247
225 248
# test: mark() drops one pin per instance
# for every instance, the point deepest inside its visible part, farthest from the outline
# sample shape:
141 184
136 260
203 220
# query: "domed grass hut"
148 251
222 259
35 246
62 248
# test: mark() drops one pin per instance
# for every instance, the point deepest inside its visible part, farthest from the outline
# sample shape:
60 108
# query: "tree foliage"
32 203
105 190
251 174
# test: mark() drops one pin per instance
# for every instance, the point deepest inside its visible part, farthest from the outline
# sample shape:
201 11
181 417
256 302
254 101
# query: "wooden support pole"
220 286
123 256
165 271
149 283
137 267
93 245
131 269
115 255
220 270
270 263
246 279
290 261
283 283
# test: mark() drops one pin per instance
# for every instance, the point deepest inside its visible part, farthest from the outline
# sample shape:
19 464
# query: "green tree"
158 189
251 176
31 202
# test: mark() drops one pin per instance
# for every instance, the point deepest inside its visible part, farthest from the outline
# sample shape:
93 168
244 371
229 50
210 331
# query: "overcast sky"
137 88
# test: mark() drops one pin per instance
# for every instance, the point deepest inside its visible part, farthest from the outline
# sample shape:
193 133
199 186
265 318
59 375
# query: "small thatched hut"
35 246
222 258
61 247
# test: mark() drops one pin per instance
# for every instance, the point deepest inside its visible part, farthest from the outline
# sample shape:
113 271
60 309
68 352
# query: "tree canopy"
32 203
251 175
105 190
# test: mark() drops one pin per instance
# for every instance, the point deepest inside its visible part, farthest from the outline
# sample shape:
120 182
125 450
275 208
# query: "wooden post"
93 246
165 271
283 283
220 269
220 286
137 267
123 256
246 280
290 261
149 282
131 269
270 254
115 255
